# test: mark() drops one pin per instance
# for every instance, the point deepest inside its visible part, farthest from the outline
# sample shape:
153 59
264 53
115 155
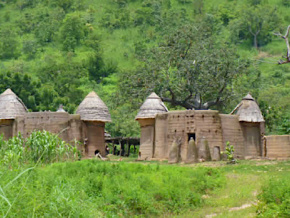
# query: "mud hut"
10 107
252 122
94 113
152 106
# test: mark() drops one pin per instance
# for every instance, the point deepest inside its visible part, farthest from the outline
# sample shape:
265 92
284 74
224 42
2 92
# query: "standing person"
107 150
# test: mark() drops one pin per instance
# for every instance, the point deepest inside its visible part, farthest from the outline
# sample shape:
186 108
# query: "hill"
54 52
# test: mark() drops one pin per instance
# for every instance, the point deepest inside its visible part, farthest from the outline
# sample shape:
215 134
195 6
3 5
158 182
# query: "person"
107 150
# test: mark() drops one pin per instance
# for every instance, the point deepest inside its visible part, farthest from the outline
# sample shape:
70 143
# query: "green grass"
93 188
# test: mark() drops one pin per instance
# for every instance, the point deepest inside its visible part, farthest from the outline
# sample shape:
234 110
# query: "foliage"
274 201
40 146
92 188
188 69
23 85
256 24
68 48
72 32
230 153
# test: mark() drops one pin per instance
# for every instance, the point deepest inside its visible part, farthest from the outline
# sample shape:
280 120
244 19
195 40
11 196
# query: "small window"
191 135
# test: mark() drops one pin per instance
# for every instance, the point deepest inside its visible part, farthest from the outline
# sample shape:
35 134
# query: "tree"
255 24
188 69
285 37
9 44
72 31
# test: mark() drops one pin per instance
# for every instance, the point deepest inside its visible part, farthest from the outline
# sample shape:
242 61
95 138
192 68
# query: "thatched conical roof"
249 111
11 106
152 106
93 108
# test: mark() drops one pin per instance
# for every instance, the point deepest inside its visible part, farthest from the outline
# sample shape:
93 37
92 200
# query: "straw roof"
152 106
93 108
11 106
249 111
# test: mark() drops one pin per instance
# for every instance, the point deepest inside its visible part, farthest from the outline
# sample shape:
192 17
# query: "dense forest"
195 54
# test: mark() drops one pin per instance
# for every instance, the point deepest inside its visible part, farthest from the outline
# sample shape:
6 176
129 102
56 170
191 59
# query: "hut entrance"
190 135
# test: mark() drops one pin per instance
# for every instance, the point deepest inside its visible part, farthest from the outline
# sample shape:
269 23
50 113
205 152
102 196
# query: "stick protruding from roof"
11 106
93 108
152 106
249 111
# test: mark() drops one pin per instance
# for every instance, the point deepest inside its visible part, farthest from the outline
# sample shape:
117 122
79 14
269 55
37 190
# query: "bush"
275 198
92 188
40 146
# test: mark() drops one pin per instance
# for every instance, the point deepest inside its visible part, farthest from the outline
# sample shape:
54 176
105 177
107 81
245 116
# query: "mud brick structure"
87 126
163 130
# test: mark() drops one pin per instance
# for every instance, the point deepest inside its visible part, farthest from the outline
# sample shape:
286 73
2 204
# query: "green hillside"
55 51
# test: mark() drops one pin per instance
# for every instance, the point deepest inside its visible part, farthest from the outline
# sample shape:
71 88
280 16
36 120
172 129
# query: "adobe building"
87 126
191 135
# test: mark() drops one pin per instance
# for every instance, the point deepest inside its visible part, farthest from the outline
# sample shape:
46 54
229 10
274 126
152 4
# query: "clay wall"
252 139
67 126
176 128
232 132
208 127
6 128
96 138
161 148
278 146
147 138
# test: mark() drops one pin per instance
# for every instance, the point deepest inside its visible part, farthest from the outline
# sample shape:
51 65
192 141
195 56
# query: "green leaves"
40 146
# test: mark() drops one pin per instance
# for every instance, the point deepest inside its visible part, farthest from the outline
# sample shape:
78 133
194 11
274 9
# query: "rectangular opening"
190 135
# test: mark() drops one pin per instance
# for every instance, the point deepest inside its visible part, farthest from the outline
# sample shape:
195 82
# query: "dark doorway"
191 135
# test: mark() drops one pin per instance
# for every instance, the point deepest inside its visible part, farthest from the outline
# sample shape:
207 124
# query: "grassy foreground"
91 188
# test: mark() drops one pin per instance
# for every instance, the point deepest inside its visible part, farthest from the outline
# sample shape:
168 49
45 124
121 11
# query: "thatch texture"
93 108
152 106
249 110
11 106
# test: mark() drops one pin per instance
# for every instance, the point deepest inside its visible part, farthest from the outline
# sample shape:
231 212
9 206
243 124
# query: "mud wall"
147 138
68 127
278 146
252 139
208 127
176 128
232 132
161 148
6 128
95 138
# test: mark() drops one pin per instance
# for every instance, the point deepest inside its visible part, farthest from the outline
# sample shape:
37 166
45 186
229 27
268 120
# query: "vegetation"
229 152
92 188
39 147
275 198
55 52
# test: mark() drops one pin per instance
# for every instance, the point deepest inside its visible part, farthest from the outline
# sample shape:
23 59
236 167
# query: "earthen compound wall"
278 146
233 133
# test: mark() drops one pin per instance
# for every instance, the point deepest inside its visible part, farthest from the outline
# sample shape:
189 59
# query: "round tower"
252 122
146 117
10 107
94 113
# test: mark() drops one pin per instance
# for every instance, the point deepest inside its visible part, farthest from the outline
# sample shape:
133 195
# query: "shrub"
274 201
230 153
40 146
91 188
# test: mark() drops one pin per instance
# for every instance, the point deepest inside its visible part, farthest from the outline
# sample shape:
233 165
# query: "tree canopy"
189 69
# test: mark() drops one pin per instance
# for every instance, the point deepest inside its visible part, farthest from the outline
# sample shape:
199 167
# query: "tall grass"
41 146
91 188
275 198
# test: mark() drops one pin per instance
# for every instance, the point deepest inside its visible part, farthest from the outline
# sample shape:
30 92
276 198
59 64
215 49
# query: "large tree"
190 68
